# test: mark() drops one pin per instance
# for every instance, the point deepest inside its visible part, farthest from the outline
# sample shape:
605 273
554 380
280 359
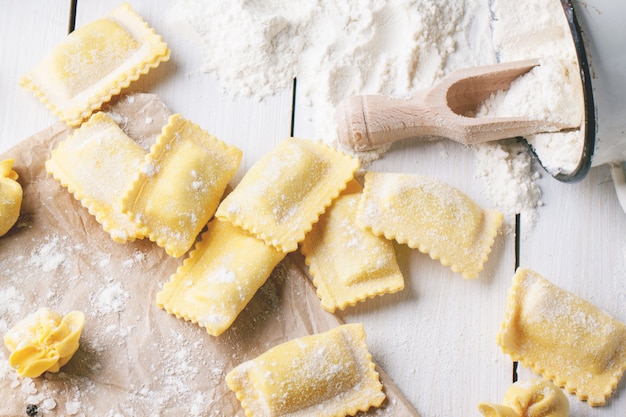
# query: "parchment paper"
134 358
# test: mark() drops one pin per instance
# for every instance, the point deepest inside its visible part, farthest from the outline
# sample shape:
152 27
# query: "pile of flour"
256 48
334 49
553 90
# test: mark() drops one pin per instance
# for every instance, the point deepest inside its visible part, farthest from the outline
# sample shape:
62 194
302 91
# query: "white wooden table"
436 339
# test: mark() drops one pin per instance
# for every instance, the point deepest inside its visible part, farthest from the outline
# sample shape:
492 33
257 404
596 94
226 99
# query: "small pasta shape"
529 398
219 278
329 374
564 338
430 216
349 264
284 193
44 341
94 62
180 184
97 164
11 195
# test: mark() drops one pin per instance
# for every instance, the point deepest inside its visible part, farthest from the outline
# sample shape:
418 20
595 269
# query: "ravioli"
219 278
529 398
563 338
349 264
180 184
284 193
43 341
431 216
11 195
327 374
94 62
97 164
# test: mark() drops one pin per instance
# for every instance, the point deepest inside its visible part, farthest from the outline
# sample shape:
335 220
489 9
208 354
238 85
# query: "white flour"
335 49
553 90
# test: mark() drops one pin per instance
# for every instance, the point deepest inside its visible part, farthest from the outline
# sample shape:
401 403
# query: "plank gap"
293 108
518 239
72 20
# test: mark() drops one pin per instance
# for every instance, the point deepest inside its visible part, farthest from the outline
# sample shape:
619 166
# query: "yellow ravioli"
563 338
43 341
430 216
11 195
329 374
284 193
219 278
530 398
180 185
94 63
97 164
349 264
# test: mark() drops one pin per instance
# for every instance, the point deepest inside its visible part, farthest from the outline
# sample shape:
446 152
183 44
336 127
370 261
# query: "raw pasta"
529 398
94 63
329 374
11 195
284 193
97 164
43 341
563 338
431 216
349 264
180 184
219 277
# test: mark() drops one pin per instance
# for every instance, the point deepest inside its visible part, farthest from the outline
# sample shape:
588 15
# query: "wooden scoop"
369 121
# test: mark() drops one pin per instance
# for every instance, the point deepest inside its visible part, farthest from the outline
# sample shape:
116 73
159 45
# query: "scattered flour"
554 89
510 180
333 49
49 255
110 299
337 49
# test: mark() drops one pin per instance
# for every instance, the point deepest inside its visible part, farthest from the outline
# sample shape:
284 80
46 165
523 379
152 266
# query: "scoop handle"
369 121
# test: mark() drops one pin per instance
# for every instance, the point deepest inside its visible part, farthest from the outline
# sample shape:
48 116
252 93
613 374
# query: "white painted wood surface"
436 339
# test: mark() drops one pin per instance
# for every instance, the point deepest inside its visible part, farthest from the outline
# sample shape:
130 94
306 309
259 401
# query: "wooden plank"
28 30
578 244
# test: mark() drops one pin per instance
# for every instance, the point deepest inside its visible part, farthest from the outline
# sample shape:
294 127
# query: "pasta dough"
44 341
284 193
94 63
219 277
563 338
11 194
349 264
530 398
97 164
431 216
180 184
328 374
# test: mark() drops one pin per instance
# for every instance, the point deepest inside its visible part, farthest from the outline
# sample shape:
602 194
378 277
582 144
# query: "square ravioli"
563 337
284 193
97 164
94 63
329 374
180 184
349 264
430 216
219 278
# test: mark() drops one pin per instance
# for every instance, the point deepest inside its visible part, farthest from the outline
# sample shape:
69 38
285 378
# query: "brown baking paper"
134 358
